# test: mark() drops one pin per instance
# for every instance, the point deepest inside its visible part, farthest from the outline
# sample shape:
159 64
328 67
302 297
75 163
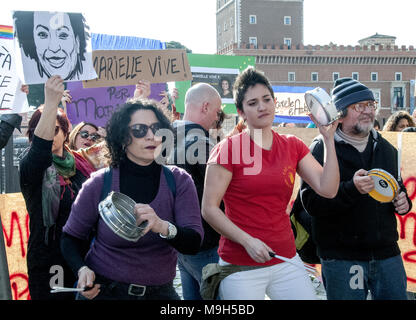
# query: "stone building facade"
388 70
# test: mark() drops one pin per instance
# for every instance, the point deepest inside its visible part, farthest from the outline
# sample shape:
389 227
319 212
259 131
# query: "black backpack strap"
105 190
170 179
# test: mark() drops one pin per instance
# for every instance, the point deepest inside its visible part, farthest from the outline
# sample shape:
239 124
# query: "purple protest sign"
96 105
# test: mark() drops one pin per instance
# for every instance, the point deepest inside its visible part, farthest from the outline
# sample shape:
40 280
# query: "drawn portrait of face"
53 43
57 46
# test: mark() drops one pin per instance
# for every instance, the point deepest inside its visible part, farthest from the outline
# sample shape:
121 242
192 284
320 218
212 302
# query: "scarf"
57 175
358 143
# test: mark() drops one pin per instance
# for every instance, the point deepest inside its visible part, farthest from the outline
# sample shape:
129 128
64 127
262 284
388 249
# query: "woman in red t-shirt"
254 173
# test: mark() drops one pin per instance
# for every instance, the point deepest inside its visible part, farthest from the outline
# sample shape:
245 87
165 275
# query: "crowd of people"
228 206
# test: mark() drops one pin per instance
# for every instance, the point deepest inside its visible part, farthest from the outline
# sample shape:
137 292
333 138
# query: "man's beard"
363 130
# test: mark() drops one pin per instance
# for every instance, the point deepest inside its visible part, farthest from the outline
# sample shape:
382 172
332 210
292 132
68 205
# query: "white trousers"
283 281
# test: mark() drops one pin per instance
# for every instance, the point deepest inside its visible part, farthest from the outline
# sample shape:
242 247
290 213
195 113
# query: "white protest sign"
12 99
52 43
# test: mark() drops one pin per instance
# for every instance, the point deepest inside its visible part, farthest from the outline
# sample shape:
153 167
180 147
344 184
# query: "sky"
192 22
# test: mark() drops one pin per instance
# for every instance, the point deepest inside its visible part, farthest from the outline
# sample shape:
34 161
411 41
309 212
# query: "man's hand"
363 182
400 203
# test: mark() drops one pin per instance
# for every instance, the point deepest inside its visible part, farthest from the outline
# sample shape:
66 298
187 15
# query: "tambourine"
321 106
386 186
117 211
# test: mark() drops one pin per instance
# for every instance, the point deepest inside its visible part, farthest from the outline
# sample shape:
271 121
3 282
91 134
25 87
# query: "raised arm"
54 89
323 180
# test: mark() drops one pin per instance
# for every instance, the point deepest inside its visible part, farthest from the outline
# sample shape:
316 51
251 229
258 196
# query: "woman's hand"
142 89
66 98
327 131
258 250
144 212
86 278
54 90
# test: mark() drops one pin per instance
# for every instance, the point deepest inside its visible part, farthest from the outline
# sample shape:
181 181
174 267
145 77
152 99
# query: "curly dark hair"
395 118
247 79
118 132
24 22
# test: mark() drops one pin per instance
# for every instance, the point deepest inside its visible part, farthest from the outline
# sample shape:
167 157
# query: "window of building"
253 19
288 42
287 20
253 40
377 96
314 76
335 76
225 26
356 76
291 76
374 76
398 76
398 97
231 22
219 30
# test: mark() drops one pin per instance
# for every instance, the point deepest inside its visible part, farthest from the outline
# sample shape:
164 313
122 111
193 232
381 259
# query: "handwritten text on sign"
11 98
96 105
126 67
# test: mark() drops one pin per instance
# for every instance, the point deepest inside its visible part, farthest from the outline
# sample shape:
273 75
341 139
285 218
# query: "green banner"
218 70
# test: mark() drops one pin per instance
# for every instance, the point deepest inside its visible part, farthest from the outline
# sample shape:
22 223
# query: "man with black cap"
356 235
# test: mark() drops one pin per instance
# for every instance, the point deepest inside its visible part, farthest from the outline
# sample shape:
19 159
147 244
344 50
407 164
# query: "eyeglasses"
57 130
140 130
360 107
93 136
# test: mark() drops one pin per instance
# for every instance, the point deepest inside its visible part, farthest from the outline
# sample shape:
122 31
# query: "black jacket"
7 125
353 226
190 139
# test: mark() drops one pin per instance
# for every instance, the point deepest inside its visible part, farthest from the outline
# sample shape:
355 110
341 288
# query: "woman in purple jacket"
115 268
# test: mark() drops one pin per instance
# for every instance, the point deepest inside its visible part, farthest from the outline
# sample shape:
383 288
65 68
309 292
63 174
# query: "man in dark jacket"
356 235
8 122
191 152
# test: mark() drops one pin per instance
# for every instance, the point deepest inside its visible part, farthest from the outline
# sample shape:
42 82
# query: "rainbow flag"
6 32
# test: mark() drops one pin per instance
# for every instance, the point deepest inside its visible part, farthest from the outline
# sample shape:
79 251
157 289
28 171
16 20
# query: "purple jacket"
150 260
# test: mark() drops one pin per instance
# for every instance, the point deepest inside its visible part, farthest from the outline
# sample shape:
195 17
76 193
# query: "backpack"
301 222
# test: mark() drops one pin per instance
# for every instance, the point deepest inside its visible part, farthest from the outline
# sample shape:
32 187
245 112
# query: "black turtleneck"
141 183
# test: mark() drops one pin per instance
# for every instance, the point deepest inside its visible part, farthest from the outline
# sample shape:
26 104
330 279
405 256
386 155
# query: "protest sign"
126 67
12 99
52 43
96 105
15 221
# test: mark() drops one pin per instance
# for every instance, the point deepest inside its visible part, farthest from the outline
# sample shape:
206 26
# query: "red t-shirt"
259 192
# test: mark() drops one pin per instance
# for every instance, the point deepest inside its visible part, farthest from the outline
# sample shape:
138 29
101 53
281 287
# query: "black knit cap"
348 91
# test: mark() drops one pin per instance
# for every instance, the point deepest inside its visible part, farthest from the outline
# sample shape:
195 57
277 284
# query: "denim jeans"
351 280
190 267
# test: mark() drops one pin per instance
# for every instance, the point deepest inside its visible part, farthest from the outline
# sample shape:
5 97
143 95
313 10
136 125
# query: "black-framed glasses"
360 107
140 130
93 136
